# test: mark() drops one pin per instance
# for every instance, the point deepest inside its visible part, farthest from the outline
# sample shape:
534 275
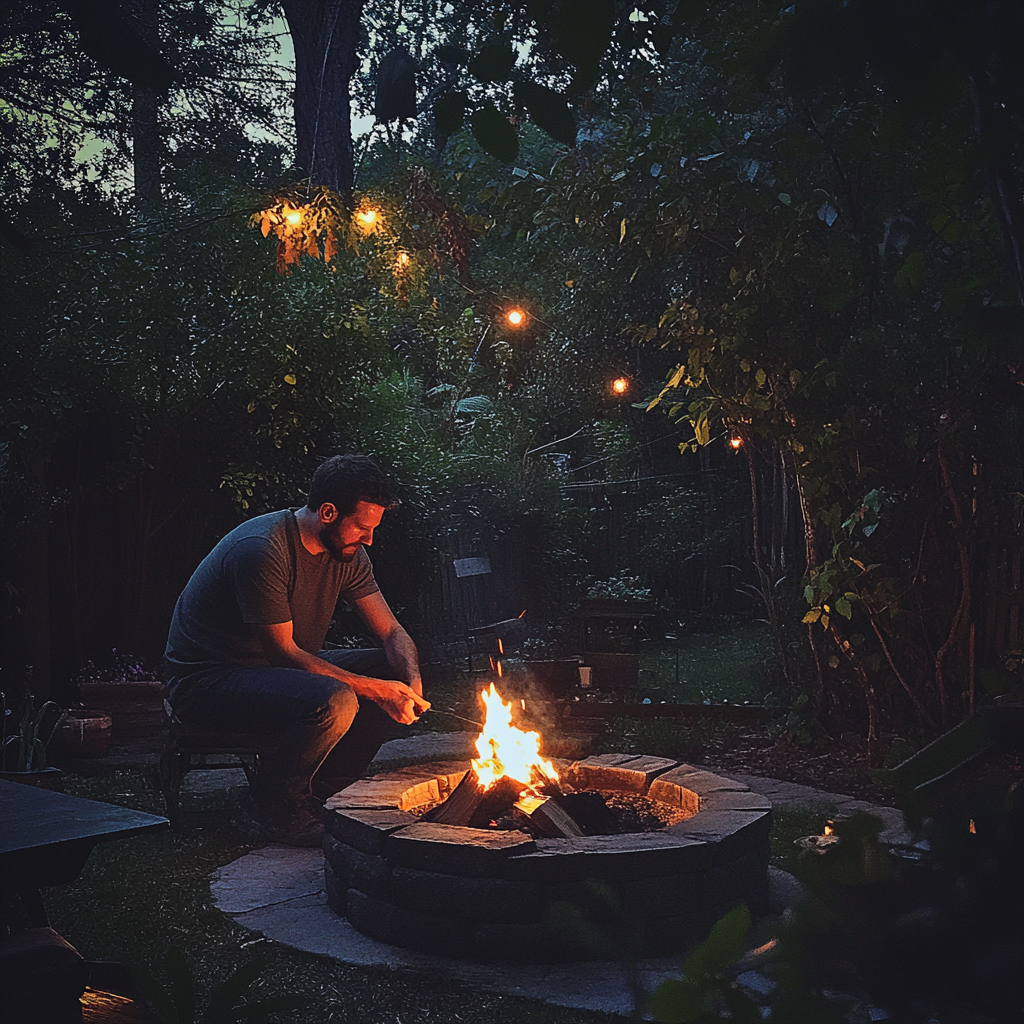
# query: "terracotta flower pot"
84 733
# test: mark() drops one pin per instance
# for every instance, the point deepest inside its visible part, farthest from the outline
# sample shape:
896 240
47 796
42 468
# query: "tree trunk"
325 35
145 133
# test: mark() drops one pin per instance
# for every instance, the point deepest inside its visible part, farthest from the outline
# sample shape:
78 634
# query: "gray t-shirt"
260 573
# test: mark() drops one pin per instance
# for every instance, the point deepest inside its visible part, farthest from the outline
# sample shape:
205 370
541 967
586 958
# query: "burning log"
472 805
548 815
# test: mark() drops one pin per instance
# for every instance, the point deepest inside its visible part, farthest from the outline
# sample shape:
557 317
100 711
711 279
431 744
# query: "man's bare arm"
398 646
401 701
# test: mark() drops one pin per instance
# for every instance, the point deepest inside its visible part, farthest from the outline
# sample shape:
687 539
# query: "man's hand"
400 701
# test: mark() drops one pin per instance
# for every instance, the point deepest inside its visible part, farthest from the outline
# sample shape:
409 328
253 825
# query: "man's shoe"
301 830
296 828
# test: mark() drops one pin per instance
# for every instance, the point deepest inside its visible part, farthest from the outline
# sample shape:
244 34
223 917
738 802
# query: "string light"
367 217
403 259
735 442
293 217
515 317
620 385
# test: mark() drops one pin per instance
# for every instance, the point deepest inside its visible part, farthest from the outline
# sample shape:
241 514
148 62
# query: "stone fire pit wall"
482 894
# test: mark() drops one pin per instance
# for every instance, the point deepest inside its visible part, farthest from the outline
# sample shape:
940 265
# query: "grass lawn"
734 665
138 898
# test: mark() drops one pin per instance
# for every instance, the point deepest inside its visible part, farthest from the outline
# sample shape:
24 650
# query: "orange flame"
507 751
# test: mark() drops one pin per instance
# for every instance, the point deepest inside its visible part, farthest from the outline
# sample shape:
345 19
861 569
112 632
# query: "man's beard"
337 551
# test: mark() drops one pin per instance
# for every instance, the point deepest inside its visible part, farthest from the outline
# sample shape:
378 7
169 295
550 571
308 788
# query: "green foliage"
176 1003
25 734
620 588
706 991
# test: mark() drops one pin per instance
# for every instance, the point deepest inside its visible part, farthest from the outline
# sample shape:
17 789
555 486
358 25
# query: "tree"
325 36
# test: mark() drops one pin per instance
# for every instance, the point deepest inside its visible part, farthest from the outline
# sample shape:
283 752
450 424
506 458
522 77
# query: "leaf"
785 198
289 378
761 377
252 406
474 405
265 224
449 113
493 63
702 431
722 948
812 616
911 274
494 134
676 1002
622 231
843 607
548 110
330 247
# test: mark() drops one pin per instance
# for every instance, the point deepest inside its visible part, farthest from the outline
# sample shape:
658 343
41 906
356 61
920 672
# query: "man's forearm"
403 658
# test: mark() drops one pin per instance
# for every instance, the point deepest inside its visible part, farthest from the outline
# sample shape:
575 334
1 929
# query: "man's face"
344 537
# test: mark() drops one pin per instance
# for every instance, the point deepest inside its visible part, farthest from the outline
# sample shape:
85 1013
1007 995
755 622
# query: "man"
244 648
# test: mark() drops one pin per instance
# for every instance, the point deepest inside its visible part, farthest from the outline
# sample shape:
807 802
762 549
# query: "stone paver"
798 797
279 892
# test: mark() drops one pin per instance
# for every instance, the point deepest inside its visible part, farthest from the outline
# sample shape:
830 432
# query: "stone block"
727 800
638 855
448 774
365 830
369 794
337 890
623 773
369 873
700 782
431 933
369 916
476 899
731 833
338 855
675 795
452 849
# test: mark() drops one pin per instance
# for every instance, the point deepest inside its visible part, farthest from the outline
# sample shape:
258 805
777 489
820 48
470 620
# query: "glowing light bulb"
620 385
735 442
293 217
367 218
515 317
403 259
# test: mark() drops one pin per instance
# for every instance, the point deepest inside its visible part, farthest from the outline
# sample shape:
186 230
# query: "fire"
506 750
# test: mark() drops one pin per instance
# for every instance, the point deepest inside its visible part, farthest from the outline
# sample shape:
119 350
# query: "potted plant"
26 735
129 692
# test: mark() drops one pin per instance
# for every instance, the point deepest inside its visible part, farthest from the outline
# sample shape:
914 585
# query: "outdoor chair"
192 749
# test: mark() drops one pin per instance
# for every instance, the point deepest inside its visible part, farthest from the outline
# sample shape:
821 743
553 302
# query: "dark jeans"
324 736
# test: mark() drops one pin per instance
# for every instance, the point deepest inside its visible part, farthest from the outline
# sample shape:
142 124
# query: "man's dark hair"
345 480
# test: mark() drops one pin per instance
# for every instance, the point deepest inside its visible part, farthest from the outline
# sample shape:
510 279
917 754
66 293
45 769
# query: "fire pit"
508 893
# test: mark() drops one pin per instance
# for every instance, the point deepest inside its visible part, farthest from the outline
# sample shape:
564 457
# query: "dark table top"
36 825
